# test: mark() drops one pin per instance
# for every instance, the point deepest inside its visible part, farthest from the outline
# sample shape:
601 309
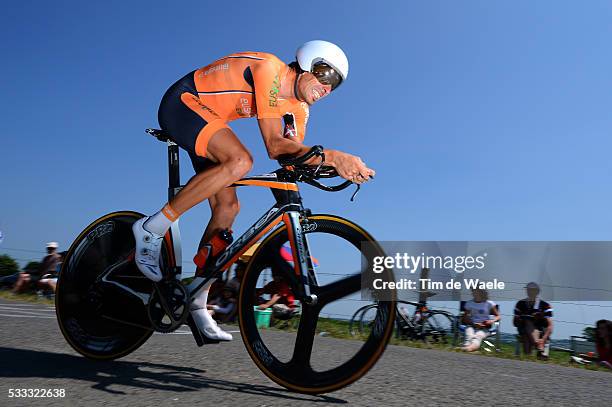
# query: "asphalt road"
171 370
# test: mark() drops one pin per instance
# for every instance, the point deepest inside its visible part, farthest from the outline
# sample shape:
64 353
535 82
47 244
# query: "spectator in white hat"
47 266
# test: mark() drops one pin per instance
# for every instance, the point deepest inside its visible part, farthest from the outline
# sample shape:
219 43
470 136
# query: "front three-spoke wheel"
308 358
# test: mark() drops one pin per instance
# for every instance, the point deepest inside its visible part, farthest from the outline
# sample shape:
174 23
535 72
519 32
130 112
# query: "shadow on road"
23 363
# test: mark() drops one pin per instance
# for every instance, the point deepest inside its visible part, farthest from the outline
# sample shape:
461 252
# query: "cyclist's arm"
277 145
266 81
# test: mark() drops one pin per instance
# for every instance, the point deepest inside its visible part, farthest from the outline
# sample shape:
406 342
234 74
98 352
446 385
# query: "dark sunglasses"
326 75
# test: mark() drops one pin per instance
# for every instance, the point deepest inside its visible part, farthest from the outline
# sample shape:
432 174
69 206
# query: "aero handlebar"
311 173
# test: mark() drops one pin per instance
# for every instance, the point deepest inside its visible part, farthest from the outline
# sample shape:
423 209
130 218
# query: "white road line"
14 304
20 312
25 316
2 308
511 375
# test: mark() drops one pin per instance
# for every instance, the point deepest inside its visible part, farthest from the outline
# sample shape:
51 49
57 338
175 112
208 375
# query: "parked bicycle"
422 323
106 308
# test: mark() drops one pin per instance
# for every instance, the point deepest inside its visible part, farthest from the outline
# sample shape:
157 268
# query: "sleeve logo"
273 95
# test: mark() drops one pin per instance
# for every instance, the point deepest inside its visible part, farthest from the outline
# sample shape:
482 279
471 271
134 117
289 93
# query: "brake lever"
355 193
357 190
316 171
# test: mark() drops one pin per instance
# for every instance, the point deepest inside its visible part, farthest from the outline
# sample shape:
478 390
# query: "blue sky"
484 120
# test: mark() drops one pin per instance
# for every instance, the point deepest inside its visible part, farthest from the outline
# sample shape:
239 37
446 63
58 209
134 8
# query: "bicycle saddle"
161 135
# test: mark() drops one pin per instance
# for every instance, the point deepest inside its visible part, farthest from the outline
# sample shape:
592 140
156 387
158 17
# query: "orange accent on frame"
168 239
255 239
287 186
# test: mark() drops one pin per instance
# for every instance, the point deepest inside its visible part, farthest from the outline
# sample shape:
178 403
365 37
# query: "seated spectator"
282 300
239 270
48 282
603 342
26 280
479 315
223 307
533 319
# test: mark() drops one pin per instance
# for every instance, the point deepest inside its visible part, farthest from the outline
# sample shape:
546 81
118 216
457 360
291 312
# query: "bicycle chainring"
168 306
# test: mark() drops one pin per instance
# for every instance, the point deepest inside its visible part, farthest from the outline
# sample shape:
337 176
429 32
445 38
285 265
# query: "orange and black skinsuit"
244 84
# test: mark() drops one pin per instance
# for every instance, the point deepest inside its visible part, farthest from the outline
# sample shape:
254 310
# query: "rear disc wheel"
101 295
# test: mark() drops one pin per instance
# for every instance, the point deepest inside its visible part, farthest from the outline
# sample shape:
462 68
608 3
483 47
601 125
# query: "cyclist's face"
310 89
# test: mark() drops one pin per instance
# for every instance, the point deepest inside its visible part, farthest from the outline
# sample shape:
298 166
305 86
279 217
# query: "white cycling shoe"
208 326
148 248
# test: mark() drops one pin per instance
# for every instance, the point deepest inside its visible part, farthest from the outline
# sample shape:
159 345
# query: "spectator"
48 266
223 307
48 282
603 342
239 270
282 300
479 315
533 319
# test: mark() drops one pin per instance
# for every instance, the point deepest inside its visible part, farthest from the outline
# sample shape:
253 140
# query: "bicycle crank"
168 306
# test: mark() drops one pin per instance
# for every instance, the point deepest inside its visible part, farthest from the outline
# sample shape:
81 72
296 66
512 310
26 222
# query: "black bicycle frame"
288 209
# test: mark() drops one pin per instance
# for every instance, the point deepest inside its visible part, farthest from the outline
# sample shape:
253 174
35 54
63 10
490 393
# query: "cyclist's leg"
233 162
224 207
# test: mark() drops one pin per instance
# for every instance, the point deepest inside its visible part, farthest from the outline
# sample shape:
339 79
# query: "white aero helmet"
324 60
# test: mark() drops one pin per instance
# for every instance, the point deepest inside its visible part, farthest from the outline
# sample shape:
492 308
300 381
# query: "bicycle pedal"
200 339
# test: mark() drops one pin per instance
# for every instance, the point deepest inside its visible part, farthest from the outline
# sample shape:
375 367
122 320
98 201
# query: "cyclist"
195 112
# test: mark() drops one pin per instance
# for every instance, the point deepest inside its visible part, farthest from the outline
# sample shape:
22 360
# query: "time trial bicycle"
106 308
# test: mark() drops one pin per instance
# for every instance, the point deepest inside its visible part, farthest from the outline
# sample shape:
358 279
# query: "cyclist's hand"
351 168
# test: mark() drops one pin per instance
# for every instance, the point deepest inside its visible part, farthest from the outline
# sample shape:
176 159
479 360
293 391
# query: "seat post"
174 175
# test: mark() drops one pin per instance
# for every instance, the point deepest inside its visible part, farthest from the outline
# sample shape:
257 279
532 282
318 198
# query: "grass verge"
34 298
340 329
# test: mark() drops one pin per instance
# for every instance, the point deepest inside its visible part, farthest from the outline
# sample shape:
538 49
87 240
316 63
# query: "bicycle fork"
302 261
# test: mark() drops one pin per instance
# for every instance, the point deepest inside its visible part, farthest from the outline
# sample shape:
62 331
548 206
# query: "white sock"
199 300
159 223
